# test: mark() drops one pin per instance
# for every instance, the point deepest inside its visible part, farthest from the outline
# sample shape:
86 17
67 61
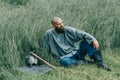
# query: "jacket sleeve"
46 41
84 35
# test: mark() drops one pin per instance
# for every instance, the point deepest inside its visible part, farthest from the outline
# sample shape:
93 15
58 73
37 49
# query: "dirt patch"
35 69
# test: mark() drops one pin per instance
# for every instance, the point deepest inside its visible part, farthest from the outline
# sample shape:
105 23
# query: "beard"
60 30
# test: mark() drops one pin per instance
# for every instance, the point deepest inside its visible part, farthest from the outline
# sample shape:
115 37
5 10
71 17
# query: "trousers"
84 49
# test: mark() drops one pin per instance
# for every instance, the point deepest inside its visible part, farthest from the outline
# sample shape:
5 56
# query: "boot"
99 60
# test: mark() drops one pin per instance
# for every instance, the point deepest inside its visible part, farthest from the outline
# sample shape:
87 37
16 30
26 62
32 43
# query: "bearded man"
61 41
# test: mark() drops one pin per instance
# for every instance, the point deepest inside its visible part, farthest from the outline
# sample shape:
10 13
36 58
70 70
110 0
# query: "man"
61 41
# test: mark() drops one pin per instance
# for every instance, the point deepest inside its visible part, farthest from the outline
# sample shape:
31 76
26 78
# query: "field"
23 24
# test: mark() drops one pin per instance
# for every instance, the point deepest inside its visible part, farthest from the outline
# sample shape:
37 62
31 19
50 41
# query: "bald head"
57 24
54 19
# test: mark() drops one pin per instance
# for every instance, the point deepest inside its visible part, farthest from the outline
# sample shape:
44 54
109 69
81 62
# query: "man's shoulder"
68 28
49 30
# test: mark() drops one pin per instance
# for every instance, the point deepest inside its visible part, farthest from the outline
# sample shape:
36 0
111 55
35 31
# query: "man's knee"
67 61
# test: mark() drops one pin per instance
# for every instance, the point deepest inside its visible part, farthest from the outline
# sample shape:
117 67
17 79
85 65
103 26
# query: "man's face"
58 25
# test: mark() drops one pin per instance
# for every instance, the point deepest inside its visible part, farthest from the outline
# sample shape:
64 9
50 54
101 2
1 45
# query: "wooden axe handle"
39 58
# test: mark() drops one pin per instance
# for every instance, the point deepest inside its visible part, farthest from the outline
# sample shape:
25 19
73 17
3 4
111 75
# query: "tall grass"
16 2
22 26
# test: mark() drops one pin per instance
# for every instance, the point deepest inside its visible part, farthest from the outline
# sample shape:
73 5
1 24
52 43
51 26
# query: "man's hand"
96 44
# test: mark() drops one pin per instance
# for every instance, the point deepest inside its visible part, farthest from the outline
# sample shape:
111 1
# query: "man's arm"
89 38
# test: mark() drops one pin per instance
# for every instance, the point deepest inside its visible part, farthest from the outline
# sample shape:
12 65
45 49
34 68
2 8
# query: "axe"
39 58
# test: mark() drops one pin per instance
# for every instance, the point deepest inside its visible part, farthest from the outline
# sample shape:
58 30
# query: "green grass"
80 72
24 22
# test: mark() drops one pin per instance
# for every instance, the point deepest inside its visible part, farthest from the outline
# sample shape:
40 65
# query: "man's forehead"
56 20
